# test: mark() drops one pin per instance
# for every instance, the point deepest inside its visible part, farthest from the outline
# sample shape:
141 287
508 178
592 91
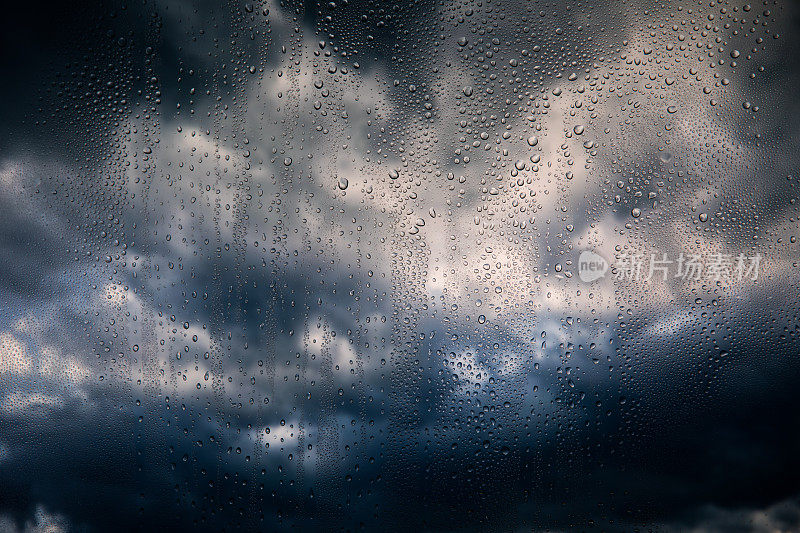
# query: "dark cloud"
273 266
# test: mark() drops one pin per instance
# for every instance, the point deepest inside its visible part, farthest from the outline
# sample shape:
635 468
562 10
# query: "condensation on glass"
416 266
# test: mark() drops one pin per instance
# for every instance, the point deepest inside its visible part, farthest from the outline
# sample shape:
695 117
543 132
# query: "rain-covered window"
455 265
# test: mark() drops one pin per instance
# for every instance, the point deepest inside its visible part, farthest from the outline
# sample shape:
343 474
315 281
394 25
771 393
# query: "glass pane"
417 266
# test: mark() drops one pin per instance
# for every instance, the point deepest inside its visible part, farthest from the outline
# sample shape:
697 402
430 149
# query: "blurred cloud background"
313 266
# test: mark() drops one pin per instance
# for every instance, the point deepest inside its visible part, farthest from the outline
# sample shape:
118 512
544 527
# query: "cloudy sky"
286 265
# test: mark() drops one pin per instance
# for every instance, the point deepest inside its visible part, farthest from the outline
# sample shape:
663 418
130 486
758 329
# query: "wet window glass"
362 265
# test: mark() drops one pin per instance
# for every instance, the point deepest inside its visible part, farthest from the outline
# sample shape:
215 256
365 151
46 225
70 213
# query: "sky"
276 266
